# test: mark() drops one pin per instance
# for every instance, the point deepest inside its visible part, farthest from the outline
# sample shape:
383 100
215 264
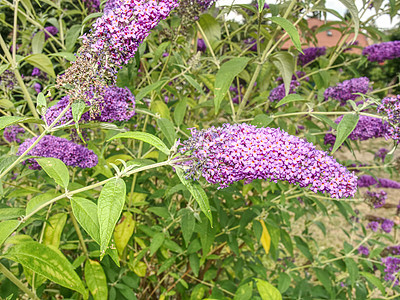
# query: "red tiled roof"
328 37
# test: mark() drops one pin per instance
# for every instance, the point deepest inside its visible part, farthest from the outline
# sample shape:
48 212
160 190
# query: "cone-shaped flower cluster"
310 54
377 199
392 267
383 51
52 146
346 90
13 133
368 180
278 93
231 153
366 128
118 105
390 108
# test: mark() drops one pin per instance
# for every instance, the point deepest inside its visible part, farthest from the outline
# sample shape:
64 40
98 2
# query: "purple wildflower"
231 153
50 29
296 76
387 225
8 79
52 146
118 105
205 4
368 180
278 93
392 267
92 6
376 199
381 153
394 250
13 133
346 90
201 45
383 51
38 87
390 108
363 250
35 72
310 54
366 128
373 226
252 42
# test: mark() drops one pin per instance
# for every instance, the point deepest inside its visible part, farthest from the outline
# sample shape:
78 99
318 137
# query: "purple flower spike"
52 146
376 199
310 54
201 45
278 93
387 225
230 153
368 180
392 267
346 90
13 133
374 226
390 108
363 250
52 30
381 153
383 51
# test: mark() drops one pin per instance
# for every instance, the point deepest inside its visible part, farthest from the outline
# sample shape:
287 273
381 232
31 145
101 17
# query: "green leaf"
260 5
290 98
267 291
245 291
145 137
8 213
225 75
38 42
375 281
91 16
42 62
284 61
10 120
41 104
345 127
67 55
123 231
180 110
262 120
3 68
351 6
72 36
56 169
159 107
187 225
290 29
48 262
109 208
53 230
166 265
352 268
323 277
144 91
197 192
156 242
194 263
85 212
96 280
303 247
283 282
211 28
7 228
194 83
77 108
167 128
39 200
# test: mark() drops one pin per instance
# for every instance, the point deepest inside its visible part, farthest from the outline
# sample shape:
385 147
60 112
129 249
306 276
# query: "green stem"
14 42
79 233
208 44
17 282
48 129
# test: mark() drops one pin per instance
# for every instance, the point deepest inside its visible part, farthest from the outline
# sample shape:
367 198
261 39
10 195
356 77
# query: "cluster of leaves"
132 227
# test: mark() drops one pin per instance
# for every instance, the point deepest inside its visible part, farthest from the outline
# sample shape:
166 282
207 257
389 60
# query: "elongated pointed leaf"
265 238
152 87
194 83
38 42
145 137
345 127
187 225
53 230
123 231
48 262
167 128
180 110
85 212
6 228
39 200
109 208
96 280
267 291
290 98
225 76
290 29
156 242
375 281
198 194
8 213
284 61
56 169
42 62
351 6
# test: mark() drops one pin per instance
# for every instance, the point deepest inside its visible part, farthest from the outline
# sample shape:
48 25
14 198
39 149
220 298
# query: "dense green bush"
119 178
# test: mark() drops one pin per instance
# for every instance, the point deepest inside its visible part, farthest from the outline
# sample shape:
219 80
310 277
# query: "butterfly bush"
278 93
363 250
310 54
390 108
383 51
112 42
92 5
296 76
230 153
368 180
13 133
392 267
377 199
50 29
52 146
381 153
346 90
366 128
118 105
